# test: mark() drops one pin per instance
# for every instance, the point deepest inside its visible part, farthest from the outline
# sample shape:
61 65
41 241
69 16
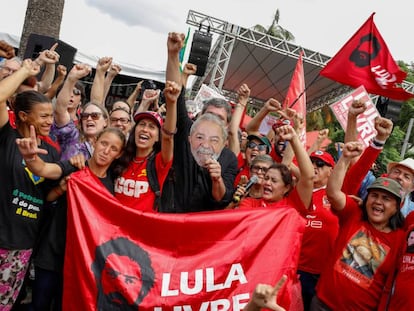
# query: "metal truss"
222 51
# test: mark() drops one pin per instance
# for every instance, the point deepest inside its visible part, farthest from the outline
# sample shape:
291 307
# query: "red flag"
198 261
365 60
296 96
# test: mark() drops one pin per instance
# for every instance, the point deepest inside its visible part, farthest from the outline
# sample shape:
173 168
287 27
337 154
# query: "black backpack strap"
153 181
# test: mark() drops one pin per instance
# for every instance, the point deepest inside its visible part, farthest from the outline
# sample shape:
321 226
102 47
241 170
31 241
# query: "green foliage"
391 151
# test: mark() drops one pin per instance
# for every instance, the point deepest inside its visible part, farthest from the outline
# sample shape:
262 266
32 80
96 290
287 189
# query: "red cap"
324 156
155 116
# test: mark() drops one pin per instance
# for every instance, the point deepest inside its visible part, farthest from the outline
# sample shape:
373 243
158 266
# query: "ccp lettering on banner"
365 121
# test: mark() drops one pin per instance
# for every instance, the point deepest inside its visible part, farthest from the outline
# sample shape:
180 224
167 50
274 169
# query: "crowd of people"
356 250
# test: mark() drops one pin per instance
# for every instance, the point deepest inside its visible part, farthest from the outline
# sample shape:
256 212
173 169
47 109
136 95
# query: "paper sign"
365 121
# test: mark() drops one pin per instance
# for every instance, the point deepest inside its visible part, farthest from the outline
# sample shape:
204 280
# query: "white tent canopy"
80 57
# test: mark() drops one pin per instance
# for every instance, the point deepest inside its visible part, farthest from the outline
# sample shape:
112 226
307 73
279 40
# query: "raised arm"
62 72
188 70
62 115
48 58
357 107
134 95
10 84
29 150
271 105
233 139
114 70
322 135
362 165
174 44
305 182
336 196
171 92
97 90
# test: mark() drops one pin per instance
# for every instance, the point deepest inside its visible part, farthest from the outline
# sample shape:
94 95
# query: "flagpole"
303 92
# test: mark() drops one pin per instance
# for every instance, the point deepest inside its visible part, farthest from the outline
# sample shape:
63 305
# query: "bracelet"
167 132
30 159
377 144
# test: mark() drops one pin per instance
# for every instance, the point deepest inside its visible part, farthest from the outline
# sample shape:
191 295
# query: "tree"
43 17
275 29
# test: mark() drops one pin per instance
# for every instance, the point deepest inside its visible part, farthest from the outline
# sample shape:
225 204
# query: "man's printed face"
121 280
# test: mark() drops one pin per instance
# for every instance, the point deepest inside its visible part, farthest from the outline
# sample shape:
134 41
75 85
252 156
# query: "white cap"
408 163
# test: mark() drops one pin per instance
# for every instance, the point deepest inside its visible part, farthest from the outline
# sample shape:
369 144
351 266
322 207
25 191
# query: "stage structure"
265 63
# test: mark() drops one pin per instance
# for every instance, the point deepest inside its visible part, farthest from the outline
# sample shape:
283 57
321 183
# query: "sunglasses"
320 163
94 115
76 92
121 120
258 168
252 145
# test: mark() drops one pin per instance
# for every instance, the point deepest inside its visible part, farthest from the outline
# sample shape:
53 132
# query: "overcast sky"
135 31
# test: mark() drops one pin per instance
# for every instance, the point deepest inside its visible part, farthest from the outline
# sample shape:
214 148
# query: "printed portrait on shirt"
410 242
361 258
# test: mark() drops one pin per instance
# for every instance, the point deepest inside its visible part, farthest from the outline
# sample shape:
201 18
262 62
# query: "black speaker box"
389 109
200 51
38 43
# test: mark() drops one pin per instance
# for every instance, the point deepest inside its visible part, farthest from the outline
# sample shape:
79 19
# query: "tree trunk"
43 17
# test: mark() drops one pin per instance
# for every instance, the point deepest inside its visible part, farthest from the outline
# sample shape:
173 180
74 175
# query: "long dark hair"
25 102
131 148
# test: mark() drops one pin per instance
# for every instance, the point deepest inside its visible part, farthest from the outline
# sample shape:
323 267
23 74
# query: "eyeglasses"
257 168
94 115
320 163
76 92
252 145
121 120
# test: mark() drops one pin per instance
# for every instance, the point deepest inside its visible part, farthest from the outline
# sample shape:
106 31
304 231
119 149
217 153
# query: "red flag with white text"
117 256
296 96
366 60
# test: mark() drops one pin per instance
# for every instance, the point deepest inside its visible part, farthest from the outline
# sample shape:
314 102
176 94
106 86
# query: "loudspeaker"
388 108
37 43
200 51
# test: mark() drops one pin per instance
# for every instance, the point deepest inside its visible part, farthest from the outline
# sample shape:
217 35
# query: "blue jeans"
47 290
308 282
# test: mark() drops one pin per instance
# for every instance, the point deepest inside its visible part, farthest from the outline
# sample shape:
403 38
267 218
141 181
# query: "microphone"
254 179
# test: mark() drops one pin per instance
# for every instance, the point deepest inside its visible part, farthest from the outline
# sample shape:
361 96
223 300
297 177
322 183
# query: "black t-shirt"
49 253
22 194
189 183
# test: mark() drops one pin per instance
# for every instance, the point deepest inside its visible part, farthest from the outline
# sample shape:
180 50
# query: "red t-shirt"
402 297
350 282
289 299
292 200
133 189
320 233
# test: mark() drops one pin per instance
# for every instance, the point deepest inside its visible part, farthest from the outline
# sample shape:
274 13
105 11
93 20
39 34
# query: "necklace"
137 167
136 161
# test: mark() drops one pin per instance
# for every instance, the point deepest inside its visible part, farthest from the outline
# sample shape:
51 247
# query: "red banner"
201 261
296 96
365 60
